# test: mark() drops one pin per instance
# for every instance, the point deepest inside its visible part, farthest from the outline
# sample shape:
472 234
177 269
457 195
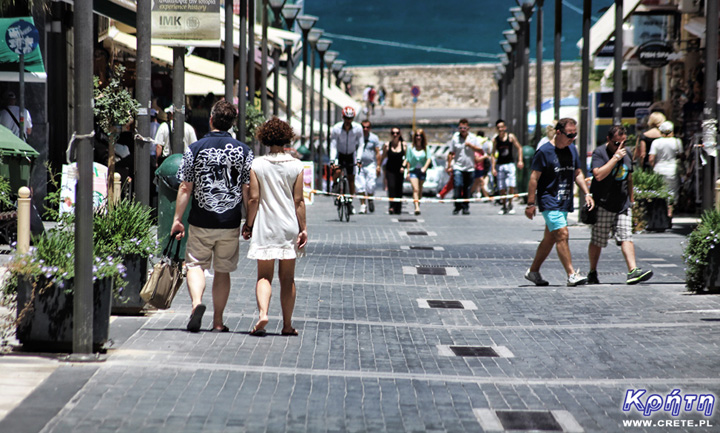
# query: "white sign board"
68 183
182 23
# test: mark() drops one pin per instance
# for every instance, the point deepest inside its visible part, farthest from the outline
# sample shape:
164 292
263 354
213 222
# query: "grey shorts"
608 223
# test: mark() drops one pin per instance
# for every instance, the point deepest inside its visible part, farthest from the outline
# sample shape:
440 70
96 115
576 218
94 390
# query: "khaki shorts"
221 247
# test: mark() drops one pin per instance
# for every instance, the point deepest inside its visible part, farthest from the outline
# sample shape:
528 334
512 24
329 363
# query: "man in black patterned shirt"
215 172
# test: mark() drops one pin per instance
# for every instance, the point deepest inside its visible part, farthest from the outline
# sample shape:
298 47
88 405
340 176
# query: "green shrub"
700 245
647 185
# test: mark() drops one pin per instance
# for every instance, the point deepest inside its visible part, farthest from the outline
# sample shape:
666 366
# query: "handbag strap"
168 248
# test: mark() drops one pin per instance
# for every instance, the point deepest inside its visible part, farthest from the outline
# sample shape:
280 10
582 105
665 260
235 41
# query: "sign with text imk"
181 23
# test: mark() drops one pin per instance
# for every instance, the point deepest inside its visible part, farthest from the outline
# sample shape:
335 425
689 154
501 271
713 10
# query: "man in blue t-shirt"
554 168
215 171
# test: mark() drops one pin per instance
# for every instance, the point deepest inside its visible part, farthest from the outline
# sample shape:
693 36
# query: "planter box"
712 273
656 214
48 326
128 301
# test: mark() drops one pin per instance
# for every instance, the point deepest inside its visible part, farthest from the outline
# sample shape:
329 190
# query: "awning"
604 28
202 76
10 144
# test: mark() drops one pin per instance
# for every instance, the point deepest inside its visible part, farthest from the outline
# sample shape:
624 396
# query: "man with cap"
163 136
346 137
10 116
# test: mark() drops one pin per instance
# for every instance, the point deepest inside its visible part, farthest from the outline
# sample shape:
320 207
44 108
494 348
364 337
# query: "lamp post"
347 79
558 58
538 69
329 58
277 6
617 75
337 68
509 80
710 108
322 47
242 96
523 17
289 65
290 13
305 22
264 58
313 37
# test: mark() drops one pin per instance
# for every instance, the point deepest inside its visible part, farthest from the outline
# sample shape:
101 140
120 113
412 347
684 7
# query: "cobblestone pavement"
372 357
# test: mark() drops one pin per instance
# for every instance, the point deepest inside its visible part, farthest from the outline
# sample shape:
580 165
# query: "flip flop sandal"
196 318
223 329
261 332
292 333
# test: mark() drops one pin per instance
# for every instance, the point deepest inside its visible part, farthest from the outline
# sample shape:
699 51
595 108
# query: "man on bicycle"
345 139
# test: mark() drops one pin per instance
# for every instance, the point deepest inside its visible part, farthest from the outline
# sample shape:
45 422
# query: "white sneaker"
512 211
535 278
576 279
502 211
363 209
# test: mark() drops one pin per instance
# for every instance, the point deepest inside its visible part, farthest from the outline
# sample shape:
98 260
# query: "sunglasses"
395 133
618 143
570 136
463 128
418 136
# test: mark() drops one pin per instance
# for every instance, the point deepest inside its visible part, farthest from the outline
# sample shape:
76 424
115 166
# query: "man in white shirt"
10 116
164 133
346 137
461 164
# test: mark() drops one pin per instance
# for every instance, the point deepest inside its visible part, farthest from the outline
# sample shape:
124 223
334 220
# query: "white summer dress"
275 230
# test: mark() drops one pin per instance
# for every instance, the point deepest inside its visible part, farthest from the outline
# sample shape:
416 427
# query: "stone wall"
454 86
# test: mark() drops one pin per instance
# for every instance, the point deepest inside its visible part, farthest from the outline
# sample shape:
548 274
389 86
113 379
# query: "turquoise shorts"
555 219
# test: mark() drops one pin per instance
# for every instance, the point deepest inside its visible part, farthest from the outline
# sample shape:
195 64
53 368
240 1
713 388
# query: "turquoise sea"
391 32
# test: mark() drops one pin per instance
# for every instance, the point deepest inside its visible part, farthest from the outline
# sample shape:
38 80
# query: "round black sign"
655 54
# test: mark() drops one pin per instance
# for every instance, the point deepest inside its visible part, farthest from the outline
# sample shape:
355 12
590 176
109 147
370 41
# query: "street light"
277 6
322 46
511 36
347 78
290 13
312 38
514 24
305 22
289 65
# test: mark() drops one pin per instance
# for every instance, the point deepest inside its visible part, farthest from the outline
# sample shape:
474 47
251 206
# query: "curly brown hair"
275 132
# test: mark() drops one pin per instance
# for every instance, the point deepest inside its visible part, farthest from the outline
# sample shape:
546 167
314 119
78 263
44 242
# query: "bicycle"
343 203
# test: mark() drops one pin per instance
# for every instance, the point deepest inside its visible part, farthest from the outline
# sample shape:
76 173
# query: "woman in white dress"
275 222
664 155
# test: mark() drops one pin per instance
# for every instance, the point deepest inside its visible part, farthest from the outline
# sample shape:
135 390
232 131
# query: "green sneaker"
637 275
592 277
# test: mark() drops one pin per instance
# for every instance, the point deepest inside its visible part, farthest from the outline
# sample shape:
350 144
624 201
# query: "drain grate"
422 248
433 303
407 220
417 233
427 270
478 351
528 420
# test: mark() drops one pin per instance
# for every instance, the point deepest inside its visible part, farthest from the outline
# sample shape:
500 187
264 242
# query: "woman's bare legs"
263 290
287 294
417 190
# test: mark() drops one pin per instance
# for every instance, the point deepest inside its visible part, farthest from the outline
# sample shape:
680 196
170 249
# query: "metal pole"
178 99
538 70
519 103
329 122
288 100
21 102
251 52
303 115
312 103
264 61
525 79
143 92
617 75
558 57
83 294
320 122
710 109
228 54
584 92
242 95
276 80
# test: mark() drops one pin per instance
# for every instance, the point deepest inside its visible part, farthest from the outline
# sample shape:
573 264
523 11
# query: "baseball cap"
9 94
348 112
170 109
666 127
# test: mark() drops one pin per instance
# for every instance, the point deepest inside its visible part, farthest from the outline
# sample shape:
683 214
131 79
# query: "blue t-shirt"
218 166
557 168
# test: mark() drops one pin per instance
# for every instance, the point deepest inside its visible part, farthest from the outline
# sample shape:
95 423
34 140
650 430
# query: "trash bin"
168 185
17 158
524 174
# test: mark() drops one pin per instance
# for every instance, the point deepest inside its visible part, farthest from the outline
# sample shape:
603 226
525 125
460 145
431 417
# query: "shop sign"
655 54
181 23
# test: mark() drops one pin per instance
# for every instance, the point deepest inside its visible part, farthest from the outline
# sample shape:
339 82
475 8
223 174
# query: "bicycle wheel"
348 210
340 200
347 201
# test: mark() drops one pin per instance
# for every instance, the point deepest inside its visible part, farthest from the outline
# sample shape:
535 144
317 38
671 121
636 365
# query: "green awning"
9 60
10 144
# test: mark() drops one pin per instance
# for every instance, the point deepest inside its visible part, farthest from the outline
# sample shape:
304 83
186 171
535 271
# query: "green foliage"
114 105
53 198
701 243
5 194
124 229
253 119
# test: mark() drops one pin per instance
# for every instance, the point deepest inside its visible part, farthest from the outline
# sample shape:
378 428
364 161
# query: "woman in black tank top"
394 150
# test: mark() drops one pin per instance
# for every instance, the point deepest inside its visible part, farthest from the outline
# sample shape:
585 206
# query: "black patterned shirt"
218 166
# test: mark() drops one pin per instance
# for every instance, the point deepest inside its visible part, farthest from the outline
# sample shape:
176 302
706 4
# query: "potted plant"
114 107
702 254
651 195
125 231
41 281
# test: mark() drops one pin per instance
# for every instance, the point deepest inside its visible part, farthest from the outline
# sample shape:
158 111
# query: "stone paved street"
372 357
